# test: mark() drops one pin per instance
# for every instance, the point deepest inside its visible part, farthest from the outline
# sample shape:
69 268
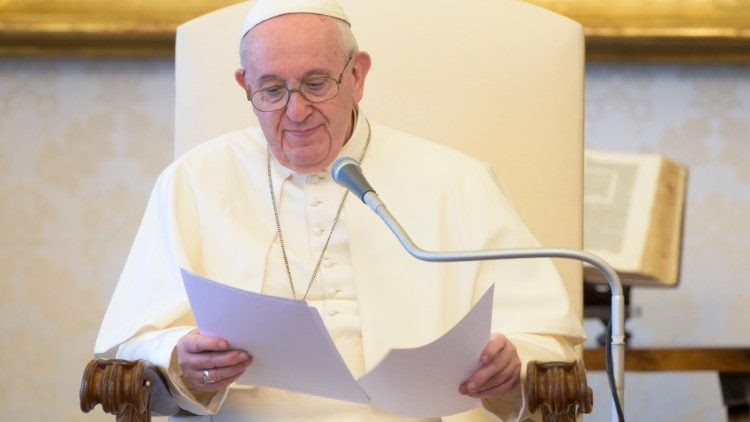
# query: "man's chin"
308 159
309 165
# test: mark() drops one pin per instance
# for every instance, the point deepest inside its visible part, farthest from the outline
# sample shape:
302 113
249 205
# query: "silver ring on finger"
207 379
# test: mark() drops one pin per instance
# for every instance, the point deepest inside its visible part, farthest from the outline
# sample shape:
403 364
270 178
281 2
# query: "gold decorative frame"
652 30
661 30
111 28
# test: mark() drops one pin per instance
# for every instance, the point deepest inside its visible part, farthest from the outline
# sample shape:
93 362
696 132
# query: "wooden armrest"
120 386
559 389
123 388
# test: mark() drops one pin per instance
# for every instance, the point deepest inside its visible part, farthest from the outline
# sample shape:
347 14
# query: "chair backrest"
500 80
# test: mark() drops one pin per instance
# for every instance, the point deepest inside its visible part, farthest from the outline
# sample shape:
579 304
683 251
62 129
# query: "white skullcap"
263 10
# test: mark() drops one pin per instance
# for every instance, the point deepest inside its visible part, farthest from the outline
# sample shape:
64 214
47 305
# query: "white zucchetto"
262 10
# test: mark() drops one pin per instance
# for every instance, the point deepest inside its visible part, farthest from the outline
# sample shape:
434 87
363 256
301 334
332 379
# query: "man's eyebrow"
315 71
318 71
266 78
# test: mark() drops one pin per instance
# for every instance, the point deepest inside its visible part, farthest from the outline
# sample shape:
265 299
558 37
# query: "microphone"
346 172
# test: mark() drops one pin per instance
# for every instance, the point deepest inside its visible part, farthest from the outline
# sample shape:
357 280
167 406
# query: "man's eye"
316 84
274 92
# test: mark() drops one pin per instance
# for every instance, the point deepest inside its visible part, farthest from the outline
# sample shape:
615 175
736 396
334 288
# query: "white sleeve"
149 300
157 348
150 294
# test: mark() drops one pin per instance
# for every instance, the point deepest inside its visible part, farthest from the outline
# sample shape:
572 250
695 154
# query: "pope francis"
256 209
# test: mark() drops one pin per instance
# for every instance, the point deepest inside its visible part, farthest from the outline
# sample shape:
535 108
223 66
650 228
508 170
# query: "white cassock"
210 212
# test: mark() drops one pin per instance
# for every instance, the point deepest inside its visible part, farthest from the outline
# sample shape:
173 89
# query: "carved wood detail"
559 389
119 386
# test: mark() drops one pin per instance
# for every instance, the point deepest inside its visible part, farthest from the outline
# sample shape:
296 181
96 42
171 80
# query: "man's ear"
361 67
239 77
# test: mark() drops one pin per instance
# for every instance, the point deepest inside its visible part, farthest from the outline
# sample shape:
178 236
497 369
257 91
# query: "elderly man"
256 209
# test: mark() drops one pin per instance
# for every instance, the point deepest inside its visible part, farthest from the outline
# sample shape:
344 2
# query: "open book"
633 216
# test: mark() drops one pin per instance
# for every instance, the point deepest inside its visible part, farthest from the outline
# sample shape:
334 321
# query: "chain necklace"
333 226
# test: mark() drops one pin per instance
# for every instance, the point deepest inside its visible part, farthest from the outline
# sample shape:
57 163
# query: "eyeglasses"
315 90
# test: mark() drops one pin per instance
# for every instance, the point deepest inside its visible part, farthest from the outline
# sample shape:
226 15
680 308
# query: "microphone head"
338 165
346 172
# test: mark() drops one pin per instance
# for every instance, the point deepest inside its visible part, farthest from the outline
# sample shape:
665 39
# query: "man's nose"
297 107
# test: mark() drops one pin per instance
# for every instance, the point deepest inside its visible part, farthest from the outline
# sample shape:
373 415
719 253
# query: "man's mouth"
302 133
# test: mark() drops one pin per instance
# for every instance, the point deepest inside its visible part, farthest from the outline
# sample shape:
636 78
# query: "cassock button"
332 312
314 202
317 231
328 262
331 292
314 178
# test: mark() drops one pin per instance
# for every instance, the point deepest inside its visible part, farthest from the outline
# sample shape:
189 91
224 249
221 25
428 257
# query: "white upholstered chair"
501 80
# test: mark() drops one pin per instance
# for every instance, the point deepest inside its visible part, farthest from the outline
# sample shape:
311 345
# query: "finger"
502 382
496 344
503 366
199 385
505 379
478 380
221 377
506 374
216 374
497 390
224 383
197 343
193 364
231 372
208 360
482 376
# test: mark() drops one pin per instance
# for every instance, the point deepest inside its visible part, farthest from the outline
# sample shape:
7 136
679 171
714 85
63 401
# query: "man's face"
303 136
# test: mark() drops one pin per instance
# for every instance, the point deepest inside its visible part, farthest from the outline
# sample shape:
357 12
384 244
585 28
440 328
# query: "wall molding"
702 31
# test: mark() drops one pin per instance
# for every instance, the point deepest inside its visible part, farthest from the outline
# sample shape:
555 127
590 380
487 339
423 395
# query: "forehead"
290 45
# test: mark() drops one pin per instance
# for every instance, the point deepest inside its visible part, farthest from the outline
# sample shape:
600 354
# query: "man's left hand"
500 370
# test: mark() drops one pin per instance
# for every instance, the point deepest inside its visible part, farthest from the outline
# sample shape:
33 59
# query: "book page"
619 193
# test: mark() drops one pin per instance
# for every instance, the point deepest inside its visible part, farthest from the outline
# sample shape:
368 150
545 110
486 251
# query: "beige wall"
698 116
81 142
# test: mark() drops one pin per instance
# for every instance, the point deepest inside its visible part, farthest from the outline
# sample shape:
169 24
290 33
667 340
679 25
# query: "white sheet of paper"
423 382
289 343
292 350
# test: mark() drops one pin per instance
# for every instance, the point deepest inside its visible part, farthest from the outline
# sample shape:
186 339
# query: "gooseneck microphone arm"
346 172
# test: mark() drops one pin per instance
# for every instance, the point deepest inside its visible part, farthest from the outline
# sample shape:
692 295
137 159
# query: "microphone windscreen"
346 172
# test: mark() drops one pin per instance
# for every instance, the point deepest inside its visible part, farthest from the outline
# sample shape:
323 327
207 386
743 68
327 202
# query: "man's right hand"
207 363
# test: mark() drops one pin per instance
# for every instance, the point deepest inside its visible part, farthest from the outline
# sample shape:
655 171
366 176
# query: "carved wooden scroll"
119 386
559 389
